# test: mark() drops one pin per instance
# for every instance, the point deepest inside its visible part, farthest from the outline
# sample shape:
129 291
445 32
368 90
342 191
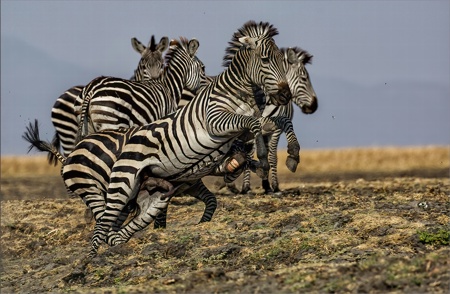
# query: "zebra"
184 146
63 114
112 103
303 95
188 144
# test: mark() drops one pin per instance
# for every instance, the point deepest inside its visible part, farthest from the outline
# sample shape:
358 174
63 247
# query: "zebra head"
151 64
183 63
303 93
265 63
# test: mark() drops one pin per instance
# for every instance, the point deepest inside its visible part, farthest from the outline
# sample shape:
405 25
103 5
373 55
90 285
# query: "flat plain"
373 220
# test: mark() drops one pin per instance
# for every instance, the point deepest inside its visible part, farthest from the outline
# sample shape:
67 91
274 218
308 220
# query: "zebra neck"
174 79
235 84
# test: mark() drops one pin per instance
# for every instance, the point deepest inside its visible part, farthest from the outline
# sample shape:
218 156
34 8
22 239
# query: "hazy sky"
381 69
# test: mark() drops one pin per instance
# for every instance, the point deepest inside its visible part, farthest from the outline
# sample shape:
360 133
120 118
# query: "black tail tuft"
32 136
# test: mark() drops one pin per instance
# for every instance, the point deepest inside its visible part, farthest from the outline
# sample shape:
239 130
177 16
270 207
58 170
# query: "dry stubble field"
359 220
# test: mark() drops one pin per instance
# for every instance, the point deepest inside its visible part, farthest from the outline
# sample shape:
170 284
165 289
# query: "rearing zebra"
303 95
63 115
109 103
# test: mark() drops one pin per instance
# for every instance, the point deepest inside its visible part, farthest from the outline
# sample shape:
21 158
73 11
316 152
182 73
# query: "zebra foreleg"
285 124
273 161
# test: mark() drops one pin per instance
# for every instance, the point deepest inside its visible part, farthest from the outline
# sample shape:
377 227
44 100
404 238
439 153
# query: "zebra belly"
193 170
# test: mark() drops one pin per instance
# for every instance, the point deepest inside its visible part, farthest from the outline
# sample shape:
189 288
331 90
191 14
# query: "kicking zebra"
112 103
63 115
303 95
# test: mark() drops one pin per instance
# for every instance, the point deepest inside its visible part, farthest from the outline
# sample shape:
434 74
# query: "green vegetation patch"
439 237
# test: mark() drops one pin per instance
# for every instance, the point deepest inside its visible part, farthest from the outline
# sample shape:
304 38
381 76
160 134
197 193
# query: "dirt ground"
347 233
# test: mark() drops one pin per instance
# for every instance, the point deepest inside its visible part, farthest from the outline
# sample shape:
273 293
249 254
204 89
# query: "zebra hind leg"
151 205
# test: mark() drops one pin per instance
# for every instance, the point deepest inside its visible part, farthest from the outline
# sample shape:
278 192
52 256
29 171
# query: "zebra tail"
32 136
56 142
83 126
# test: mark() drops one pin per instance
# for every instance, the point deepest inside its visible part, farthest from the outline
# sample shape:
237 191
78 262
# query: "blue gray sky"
381 69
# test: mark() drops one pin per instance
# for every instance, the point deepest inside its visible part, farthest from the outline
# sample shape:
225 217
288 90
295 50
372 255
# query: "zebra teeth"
232 165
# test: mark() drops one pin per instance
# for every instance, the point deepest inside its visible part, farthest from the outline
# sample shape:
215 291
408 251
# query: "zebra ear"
248 42
163 44
137 45
291 57
193 47
305 57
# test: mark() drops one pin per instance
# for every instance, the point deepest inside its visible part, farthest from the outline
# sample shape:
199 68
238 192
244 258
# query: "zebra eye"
265 60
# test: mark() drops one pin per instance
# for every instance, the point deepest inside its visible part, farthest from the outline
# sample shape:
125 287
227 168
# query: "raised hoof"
292 163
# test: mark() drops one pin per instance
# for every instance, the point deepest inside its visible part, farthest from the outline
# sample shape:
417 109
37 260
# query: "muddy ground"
366 233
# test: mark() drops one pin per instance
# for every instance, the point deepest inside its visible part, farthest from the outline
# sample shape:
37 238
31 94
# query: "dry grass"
345 237
387 160
362 234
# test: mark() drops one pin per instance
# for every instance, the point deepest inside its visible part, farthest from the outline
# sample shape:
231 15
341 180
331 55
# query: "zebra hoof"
245 189
292 163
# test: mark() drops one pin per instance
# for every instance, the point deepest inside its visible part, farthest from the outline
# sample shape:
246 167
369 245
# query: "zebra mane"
263 30
152 46
307 58
175 45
